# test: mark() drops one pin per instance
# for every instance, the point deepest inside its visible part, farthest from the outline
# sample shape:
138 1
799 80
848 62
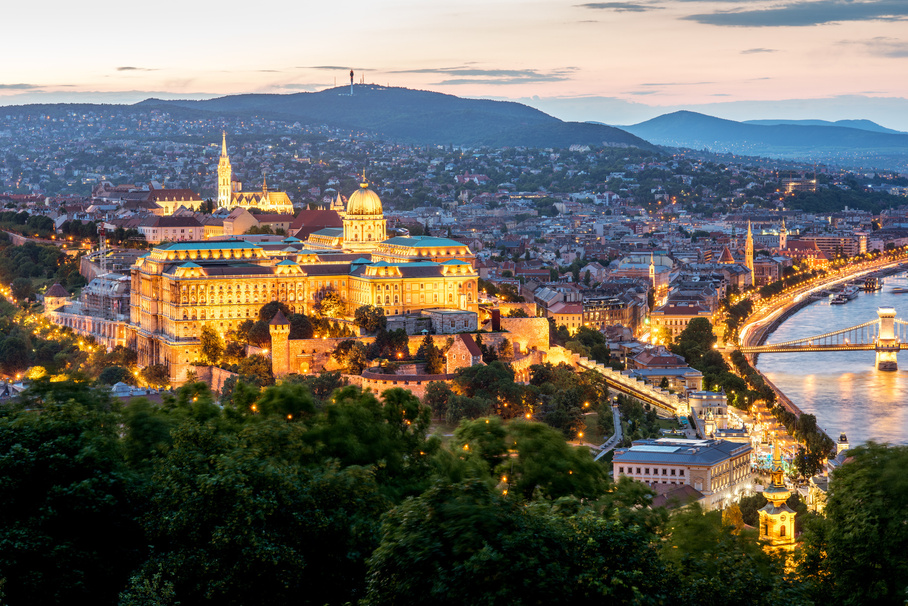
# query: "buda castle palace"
179 287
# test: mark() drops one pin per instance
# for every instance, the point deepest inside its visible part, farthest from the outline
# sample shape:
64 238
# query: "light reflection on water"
843 389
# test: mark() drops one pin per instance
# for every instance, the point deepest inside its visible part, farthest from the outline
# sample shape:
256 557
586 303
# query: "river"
843 389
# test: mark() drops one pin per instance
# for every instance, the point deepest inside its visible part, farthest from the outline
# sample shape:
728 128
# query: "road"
613 441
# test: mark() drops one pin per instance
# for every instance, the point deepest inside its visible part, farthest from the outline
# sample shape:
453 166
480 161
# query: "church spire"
776 517
225 176
749 252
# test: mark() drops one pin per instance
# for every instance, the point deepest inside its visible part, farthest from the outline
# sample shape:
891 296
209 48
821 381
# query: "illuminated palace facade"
179 287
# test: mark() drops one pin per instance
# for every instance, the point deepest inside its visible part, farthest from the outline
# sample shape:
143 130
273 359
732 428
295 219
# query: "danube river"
843 389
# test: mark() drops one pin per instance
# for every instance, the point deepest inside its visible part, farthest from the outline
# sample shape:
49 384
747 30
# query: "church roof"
726 256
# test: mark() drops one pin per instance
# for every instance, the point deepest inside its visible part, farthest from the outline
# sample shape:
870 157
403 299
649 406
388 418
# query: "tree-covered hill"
419 117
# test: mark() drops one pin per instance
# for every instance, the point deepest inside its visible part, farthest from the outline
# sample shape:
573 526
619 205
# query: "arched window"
782 531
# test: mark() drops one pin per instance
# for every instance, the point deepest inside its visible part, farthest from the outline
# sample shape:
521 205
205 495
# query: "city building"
179 287
717 469
230 196
670 320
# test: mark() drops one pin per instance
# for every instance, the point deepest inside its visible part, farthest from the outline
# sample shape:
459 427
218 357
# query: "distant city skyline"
617 62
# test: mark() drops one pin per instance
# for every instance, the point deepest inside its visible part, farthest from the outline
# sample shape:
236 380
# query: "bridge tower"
887 345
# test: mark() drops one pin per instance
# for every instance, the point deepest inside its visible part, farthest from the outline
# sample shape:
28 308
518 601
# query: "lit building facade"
718 469
180 287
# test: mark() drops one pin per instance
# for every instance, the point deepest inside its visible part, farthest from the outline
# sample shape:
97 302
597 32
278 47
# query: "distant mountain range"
417 117
845 143
858 124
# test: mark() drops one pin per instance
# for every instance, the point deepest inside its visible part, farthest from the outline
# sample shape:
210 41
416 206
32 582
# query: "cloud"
620 7
807 12
130 68
20 86
676 83
882 46
474 75
755 51
297 86
642 92
330 67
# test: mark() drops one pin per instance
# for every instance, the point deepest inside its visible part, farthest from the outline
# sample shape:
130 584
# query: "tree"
232 519
270 309
468 543
351 355
856 555
518 312
211 346
116 374
234 352
464 407
68 530
392 434
437 396
300 326
256 370
330 304
370 318
14 355
714 563
156 375
22 288
435 361
546 463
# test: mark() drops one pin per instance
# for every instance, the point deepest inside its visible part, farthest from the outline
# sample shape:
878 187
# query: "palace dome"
364 201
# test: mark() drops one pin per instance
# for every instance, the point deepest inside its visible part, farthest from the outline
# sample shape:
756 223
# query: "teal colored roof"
190 264
291 239
208 245
287 262
331 232
405 264
421 241
455 262
361 261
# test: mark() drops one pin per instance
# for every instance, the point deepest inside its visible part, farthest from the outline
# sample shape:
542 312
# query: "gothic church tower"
749 252
225 173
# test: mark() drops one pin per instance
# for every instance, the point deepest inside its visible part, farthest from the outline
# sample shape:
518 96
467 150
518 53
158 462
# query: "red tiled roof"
472 347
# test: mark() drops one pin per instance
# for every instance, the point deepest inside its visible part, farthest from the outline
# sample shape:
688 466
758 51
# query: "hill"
417 117
833 144
858 124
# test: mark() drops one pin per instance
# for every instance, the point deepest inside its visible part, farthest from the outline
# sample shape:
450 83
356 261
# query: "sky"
617 62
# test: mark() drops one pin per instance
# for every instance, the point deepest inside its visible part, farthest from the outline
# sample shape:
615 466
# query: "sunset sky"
616 61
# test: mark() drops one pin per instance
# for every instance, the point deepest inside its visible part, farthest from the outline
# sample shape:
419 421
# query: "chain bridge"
886 336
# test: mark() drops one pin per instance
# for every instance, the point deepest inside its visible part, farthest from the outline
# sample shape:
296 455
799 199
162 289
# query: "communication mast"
351 82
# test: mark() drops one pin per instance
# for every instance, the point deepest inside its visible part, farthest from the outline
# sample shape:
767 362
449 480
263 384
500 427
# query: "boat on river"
899 290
